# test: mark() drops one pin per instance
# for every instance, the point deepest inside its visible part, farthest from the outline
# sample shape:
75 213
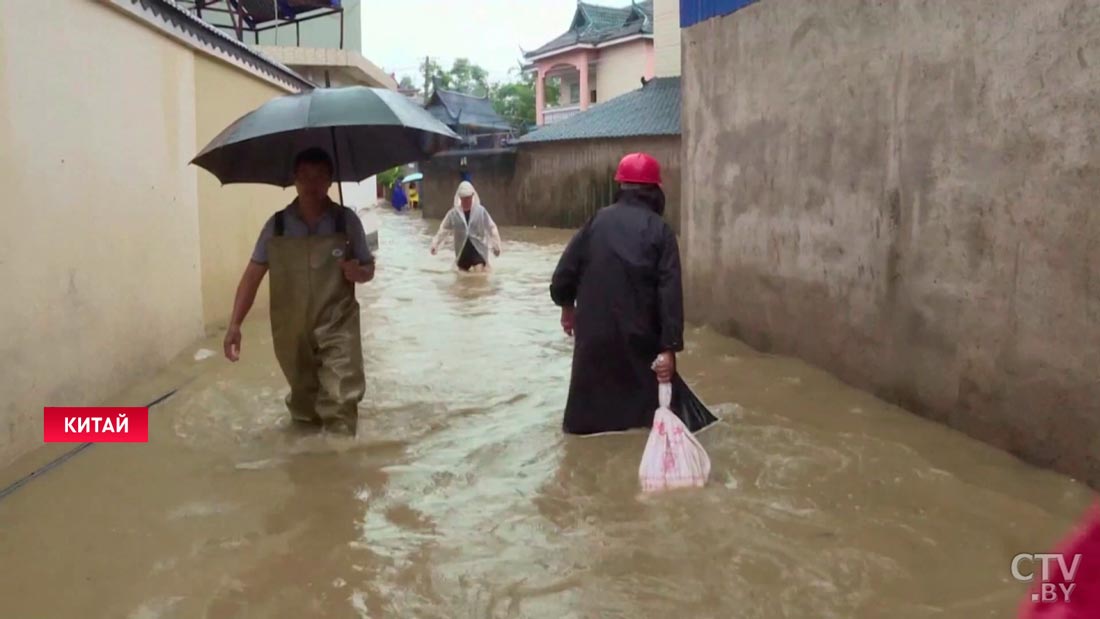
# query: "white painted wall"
360 195
621 68
666 37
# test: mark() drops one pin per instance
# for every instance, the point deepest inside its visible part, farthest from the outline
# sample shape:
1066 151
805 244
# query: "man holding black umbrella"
316 251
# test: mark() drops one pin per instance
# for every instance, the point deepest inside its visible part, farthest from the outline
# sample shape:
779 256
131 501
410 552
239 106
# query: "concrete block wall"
554 184
904 193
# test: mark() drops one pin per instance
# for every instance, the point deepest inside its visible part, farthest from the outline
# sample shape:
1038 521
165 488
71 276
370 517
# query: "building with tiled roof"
594 25
652 110
469 116
606 52
566 170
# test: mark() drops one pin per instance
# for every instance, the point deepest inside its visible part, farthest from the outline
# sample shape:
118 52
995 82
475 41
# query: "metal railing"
553 115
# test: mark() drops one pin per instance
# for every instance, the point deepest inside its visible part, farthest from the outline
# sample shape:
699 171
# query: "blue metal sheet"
259 12
695 11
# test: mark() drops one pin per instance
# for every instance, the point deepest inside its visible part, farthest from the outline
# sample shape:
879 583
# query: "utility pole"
275 8
427 78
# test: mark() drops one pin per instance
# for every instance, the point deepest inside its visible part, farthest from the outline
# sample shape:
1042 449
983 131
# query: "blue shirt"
295 227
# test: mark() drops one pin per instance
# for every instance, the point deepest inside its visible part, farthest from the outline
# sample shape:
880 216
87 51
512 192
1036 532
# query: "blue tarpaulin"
695 11
263 11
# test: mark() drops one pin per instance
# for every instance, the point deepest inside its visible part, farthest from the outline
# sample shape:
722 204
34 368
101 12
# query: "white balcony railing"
553 115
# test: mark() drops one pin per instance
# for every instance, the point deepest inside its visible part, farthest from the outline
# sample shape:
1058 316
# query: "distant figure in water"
618 285
474 231
399 200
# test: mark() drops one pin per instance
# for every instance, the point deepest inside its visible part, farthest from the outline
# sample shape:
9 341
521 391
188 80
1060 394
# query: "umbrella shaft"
335 151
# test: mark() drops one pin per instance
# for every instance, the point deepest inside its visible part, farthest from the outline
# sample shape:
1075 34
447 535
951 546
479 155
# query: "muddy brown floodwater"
462 498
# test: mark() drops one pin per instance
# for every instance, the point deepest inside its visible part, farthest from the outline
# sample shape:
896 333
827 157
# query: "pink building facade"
607 52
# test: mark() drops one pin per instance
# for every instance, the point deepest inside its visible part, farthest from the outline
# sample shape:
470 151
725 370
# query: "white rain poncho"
481 230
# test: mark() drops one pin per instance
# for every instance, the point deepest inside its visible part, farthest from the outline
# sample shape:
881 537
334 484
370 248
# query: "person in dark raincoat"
619 287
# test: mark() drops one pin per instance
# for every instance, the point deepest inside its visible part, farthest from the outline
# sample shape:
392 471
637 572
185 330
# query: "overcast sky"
398 35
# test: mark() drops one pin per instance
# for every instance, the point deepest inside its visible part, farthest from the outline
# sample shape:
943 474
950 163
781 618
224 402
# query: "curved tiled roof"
456 108
653 109
594 24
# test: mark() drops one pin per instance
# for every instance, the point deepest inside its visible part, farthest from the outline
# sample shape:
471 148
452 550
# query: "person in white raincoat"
474 231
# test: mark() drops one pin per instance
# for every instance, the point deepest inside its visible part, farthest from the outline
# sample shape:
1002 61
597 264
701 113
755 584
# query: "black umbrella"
366 130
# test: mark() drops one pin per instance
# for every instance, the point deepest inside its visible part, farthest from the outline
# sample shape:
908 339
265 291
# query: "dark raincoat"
622 271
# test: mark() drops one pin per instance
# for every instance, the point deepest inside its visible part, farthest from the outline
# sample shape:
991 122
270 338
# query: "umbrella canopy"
417 176
366 130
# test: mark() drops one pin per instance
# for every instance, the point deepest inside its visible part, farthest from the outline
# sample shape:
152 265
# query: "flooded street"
462 498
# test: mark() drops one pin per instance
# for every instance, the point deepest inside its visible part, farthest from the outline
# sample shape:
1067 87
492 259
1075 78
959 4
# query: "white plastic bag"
673 458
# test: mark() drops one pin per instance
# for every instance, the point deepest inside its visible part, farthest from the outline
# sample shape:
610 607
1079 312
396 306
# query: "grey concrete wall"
491 172
559 184
905 193
562 184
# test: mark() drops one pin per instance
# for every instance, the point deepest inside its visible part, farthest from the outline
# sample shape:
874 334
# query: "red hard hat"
639 168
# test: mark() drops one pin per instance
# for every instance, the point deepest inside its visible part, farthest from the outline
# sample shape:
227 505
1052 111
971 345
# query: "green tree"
469 78
389 177
515 98
463 76
429 70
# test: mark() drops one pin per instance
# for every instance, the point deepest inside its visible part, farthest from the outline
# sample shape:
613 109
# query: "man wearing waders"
619 288
316 251
474 231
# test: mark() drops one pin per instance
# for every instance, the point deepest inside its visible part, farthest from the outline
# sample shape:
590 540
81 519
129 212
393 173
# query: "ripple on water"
461 497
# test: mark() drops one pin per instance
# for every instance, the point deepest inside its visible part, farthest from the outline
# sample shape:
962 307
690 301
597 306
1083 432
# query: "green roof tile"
598 24
651 110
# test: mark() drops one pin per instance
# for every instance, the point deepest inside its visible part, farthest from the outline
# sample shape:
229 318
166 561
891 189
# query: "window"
574 94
